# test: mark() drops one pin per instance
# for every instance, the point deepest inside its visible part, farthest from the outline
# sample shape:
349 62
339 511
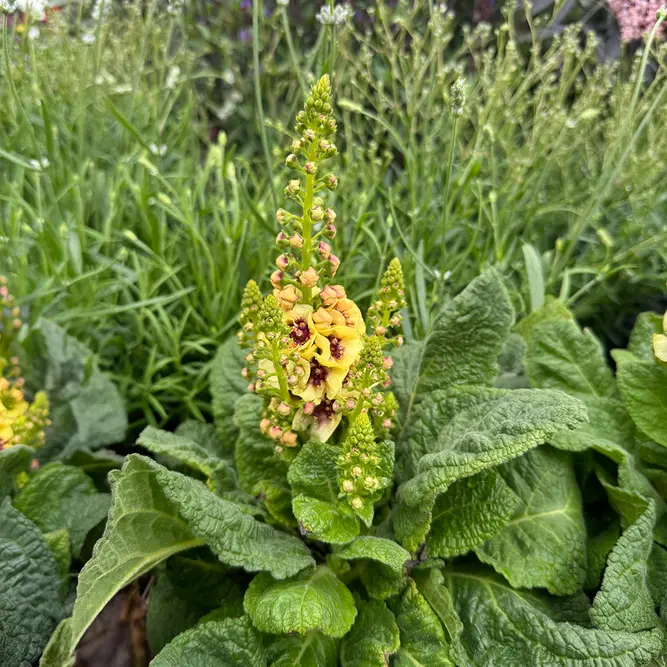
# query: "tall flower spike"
383 313
360 468
251 302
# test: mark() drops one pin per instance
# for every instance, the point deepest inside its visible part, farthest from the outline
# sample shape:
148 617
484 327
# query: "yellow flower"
340 348
322 421
302 329
326 318
323 382
660 343
351 314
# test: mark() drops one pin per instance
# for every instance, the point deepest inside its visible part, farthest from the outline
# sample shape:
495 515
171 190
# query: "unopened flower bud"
322 317
264 425
244 372
284 409
387 424
282 216
347 486
370 482
281 239
278 449
310 168
294 186
297 145
309 135
289 439
356 471
282 262
335 263
316 213
251 388
380 330
331 215
387 363
350 404
309 277
296 241
331 293
356 502
275 432
292 380
276 278
395 320
331 181
288 296
308 408
324 249
399 341
292 161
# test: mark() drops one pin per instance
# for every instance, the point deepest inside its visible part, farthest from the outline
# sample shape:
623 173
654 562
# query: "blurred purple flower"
245 35
246 4
635 17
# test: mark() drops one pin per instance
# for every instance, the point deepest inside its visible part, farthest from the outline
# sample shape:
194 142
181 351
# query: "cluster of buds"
21 422
383 313
309 356
360 467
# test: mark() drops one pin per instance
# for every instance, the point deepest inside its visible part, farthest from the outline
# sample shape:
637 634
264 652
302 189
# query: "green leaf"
461 349
657 574
514 628
59 546
205 436
469 430
643 386
157 513
13 461
423 641
544 545
97 465
383 571
511 372
471 511
84 405
624 601
60 496
57 652
431 585
186 589
227 385
535 276
641 338
313 600
231 642
30 604
313 477
553 309
218 472
562 356
373 638
311 650
598 548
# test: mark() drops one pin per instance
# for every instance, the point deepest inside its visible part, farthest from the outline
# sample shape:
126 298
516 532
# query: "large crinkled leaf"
205 436
383 572
553 309
461 349
643 386
313 600
562 356
511 372
60 496
218 472
473 429
313 476
13 461
471 511
231 642
157 513
598 547
227 385
544 544
624 601
311 650
30 604
85 407
184 590
423 642
515 628
469 430
657 574
641 338
373 638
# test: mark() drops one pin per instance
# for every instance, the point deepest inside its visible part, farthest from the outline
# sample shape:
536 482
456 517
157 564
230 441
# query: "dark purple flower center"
337 349
300 332
324 412
318 373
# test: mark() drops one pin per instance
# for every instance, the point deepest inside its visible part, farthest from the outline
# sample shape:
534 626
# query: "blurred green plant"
134 201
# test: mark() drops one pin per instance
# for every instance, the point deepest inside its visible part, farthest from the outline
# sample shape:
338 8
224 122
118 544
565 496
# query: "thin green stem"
448 187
